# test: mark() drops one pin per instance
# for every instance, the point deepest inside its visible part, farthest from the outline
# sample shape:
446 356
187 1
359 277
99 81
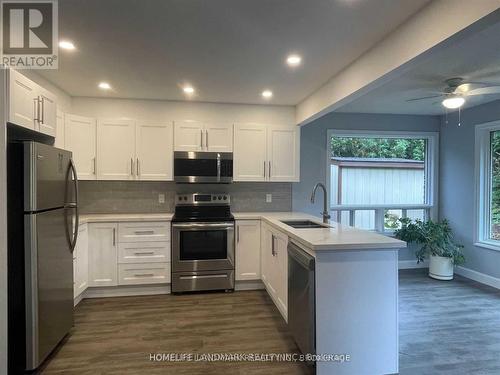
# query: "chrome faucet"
325 214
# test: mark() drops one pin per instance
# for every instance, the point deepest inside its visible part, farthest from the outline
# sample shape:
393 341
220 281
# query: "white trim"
431 162
78 299
125 291
241 285
410 264
482 185
478 276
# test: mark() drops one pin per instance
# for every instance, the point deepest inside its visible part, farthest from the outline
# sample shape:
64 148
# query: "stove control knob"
225 198
220 197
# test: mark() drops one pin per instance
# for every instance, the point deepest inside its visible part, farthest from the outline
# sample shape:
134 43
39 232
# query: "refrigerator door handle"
75 206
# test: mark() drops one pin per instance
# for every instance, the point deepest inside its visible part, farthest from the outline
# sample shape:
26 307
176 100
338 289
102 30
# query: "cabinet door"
59 142
281 268
48 113
116 150
189 136
219 137
80 139
155 151
248 250
103 263
23 100
82 261
250 154
283 153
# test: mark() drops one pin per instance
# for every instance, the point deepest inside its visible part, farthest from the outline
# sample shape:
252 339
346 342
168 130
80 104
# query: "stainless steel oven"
203 167
202 243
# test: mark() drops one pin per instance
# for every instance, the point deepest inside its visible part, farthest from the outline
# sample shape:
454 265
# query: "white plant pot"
440 268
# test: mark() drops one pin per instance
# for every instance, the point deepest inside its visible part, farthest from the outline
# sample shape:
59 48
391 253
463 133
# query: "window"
488 185
378 177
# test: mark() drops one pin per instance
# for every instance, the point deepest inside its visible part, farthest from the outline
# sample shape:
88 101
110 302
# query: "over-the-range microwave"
203 167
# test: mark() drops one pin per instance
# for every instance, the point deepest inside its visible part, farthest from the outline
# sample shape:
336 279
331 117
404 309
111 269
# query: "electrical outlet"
269 198
161 198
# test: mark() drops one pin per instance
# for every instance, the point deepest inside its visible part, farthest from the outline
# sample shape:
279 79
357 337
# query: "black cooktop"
211 213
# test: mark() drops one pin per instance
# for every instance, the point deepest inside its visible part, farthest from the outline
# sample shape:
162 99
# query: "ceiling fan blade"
425 97
485 91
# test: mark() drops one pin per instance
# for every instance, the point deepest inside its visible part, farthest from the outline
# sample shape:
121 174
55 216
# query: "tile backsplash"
142 196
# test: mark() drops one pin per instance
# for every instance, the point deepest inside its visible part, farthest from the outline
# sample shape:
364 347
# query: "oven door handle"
203 225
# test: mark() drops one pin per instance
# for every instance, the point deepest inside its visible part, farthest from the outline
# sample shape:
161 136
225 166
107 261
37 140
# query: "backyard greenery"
495 185
411 149
435 238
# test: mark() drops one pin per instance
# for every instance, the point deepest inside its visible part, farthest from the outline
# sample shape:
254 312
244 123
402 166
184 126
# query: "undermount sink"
303 224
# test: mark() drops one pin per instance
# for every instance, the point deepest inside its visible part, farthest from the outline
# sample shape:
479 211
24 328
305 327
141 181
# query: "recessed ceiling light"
453 102
294 60
188 90
267 94
104 86
66 44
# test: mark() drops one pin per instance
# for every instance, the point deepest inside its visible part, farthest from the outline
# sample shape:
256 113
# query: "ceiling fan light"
453 102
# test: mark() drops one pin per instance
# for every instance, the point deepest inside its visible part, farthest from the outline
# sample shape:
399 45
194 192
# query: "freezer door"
45 177
49 284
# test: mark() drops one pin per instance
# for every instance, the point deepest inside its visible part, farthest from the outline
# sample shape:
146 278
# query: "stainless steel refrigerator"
43 229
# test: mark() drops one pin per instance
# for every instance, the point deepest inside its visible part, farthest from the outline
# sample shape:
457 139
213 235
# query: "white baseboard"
149 290
249 285
409 264
478 276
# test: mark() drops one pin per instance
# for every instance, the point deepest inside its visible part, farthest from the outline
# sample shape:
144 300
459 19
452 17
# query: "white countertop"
333 237
104 218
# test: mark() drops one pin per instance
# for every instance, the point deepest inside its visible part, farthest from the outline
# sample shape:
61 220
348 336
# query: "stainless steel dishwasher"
301 298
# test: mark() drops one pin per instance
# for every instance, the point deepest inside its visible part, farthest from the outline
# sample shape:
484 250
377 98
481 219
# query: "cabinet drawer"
144 252
143 273
143 232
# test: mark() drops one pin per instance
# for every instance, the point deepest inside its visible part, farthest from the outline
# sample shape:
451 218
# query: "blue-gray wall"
313 152
457 183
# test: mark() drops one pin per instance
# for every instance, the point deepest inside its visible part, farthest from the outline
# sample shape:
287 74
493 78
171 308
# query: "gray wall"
142 196
313 152
457 183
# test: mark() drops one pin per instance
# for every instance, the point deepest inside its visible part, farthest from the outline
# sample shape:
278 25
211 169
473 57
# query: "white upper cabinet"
250 152
154 151
218 137
30 105
80 139
23 100
59 142
116 150
192 135
247 250
283 152
47 117
189 135
266 153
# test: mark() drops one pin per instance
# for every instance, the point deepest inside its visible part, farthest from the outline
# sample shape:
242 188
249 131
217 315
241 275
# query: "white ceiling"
476 59
229 50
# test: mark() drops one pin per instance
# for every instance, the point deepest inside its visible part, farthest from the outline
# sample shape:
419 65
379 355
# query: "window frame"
482 176
431 172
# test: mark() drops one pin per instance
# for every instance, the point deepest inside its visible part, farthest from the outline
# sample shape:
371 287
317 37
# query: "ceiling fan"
457 90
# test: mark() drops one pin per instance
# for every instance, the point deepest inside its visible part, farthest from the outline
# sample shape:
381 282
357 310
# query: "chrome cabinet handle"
201 139
264 169
95 166
269 169
131 166
36 109
114 236
272 244
138 168
144 253
238 234
43 110
206 139
144 232
144 274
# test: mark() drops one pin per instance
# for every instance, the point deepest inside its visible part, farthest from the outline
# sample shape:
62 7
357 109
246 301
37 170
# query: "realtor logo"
29 34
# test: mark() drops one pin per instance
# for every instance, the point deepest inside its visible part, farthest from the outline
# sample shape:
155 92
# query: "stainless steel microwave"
203 167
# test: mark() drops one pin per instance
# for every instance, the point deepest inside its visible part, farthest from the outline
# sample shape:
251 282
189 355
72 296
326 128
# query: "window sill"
490 245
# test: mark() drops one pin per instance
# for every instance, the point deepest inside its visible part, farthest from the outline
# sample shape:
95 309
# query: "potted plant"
436 241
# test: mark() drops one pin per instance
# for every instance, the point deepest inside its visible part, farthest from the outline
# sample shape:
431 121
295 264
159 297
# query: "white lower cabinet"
274 266
81 261
103 254
143 273
247 250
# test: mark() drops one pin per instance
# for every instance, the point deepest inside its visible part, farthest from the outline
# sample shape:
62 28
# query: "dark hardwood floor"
445 328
